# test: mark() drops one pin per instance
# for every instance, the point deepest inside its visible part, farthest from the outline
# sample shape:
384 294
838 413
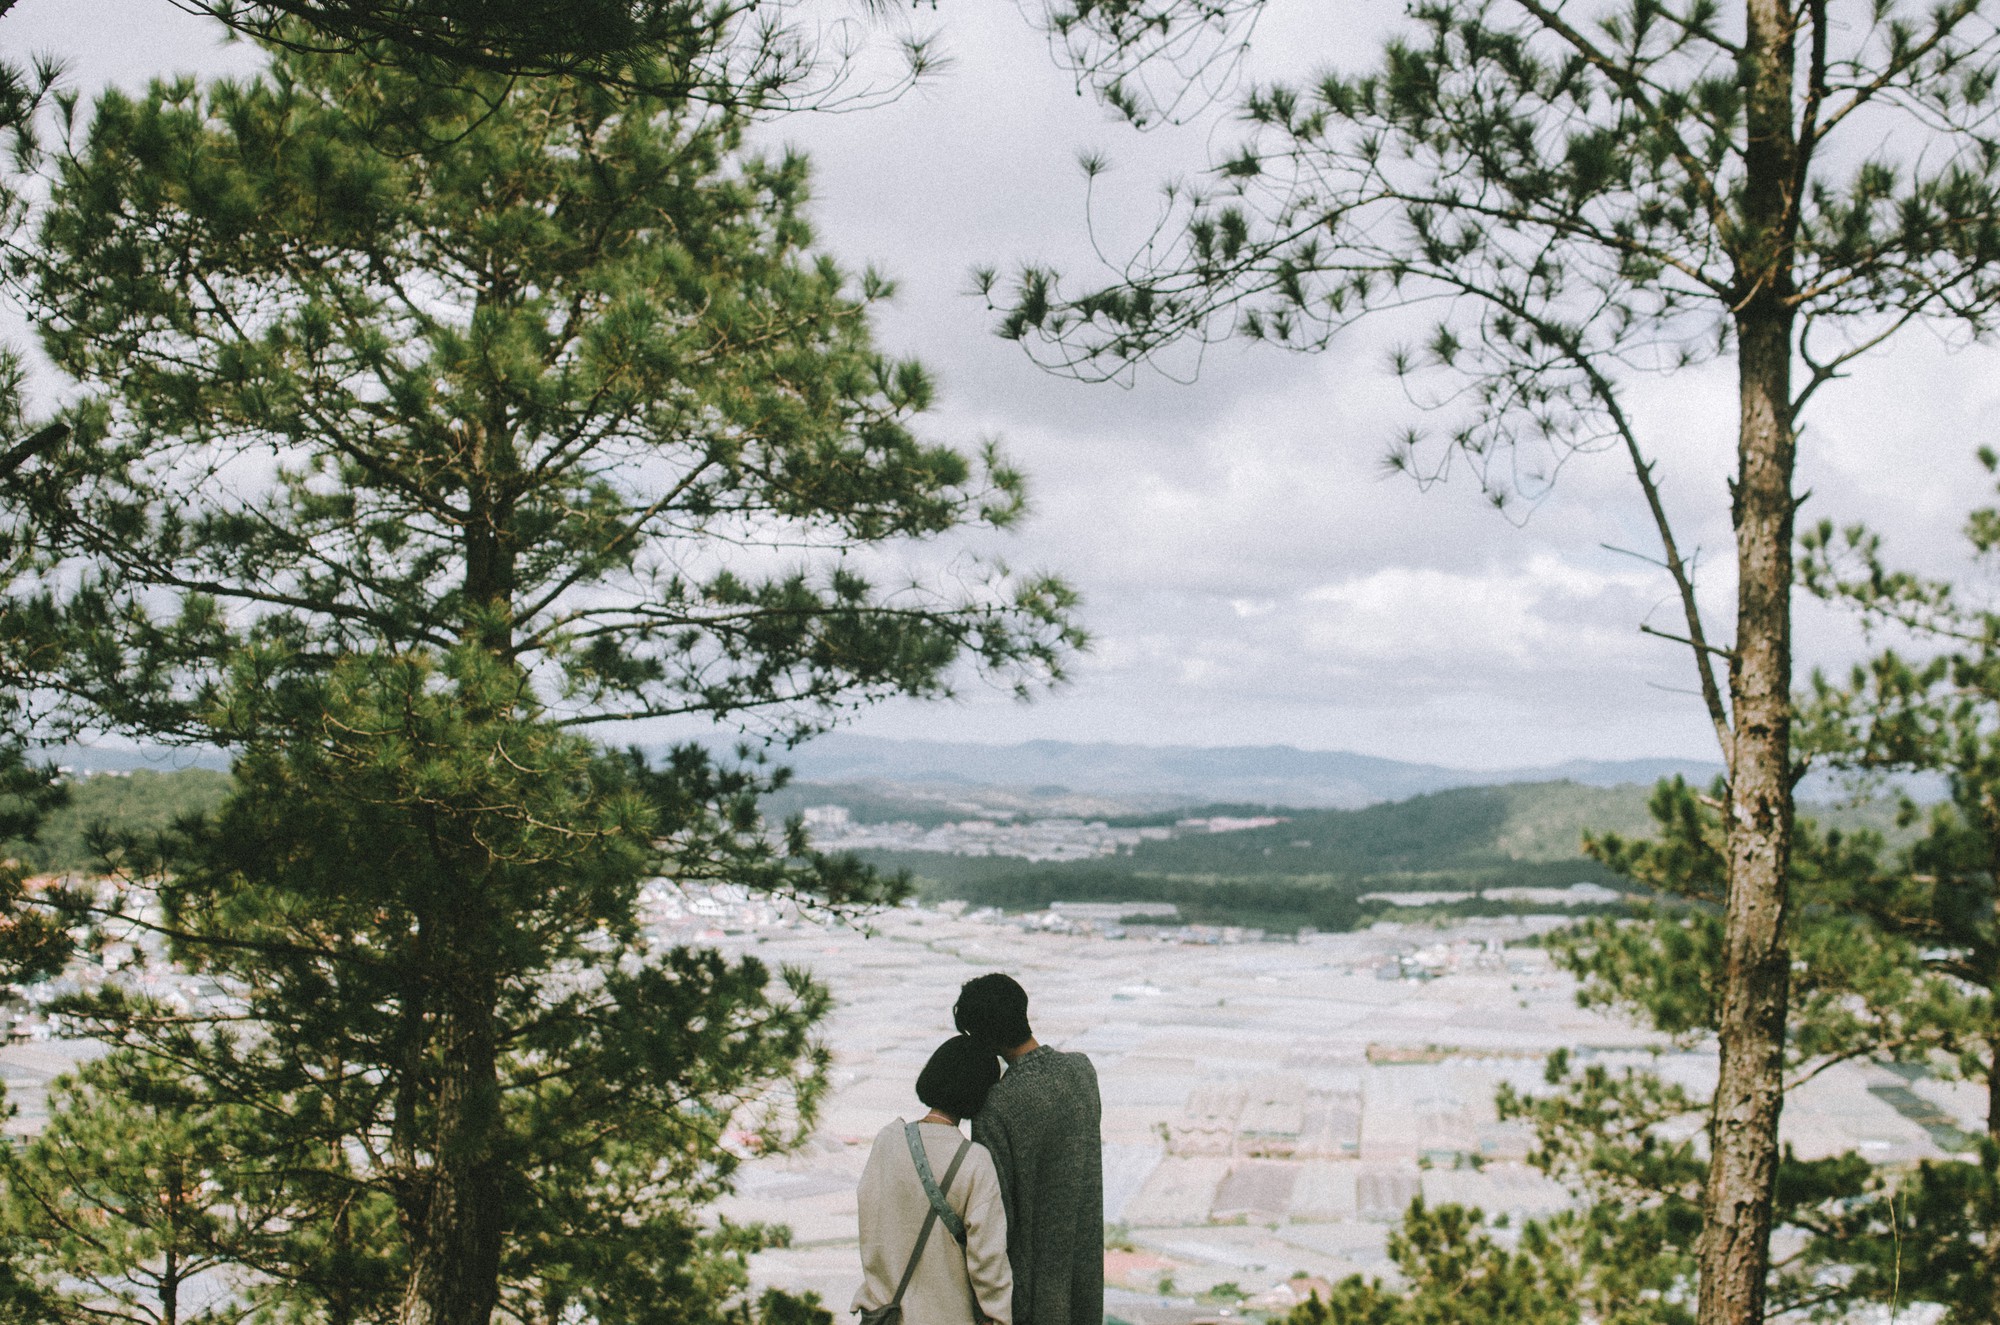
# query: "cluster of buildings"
709 913
834 828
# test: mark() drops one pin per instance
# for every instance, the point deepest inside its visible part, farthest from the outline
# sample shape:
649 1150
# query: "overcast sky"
1249 574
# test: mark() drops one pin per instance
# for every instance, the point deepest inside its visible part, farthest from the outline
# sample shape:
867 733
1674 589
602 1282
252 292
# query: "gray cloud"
1251 576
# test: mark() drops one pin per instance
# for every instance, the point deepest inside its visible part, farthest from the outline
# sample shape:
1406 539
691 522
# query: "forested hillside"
1463 832
1312 869
142 801
1317 866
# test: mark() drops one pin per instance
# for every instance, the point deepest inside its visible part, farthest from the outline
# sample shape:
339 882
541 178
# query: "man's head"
993 1010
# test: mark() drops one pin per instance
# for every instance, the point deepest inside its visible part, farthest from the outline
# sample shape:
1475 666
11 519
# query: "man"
1041 1124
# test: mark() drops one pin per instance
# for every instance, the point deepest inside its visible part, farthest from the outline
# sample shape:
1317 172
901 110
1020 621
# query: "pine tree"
485 1086
1591 193
1933 715
127 1201
546 367
1867 984
430 425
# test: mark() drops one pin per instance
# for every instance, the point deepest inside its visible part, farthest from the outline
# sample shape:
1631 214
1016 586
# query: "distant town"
834 828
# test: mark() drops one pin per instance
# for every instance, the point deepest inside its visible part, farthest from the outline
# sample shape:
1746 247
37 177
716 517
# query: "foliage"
538 361
429 423
1940 714
29 946
1925 1237
133 1196
436 870
1563 1271
1567 186
24 1298
1629 1144
33 944
25 91
1860 986
514 36
754 57
1935 714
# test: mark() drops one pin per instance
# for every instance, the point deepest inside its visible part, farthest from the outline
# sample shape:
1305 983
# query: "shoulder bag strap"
916 1141
939 1206
923 1236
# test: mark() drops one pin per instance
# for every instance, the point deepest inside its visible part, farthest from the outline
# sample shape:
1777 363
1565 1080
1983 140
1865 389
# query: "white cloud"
1515 618
1250 575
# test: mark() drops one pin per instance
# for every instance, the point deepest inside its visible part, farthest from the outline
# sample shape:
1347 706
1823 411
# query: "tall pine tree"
426 426
1589 193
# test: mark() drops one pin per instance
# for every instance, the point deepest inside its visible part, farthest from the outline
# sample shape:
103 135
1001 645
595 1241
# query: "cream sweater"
893 1206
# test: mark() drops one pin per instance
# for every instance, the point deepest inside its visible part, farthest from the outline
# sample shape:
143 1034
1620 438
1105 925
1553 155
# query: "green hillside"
1316 868
137 802
1466 832
1311 870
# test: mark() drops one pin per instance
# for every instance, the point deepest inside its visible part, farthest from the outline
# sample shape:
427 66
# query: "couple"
1017 1212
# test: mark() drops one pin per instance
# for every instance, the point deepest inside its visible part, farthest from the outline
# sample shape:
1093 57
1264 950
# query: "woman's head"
958 1076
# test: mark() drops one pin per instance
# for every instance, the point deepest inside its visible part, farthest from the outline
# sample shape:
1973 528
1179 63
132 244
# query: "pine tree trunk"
1735 1251
1993 1091
456 1240
1749 1094
339 1291
455 1245
170 1289
1990 1257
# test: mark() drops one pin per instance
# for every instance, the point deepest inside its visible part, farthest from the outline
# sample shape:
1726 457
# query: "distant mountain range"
1246 774
1153 774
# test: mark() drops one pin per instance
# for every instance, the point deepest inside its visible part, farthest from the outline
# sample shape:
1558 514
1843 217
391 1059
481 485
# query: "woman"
953 1276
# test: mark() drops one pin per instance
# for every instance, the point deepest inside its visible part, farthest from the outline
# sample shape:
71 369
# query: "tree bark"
170 1285
1990 1258
459 1227
455 1244
1993 1090
1749 1094
33 445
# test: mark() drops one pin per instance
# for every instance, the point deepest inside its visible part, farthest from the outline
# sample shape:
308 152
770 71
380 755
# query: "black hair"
958 1076
993 1009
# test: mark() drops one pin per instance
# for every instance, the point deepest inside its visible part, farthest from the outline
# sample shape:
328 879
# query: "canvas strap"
937 1204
